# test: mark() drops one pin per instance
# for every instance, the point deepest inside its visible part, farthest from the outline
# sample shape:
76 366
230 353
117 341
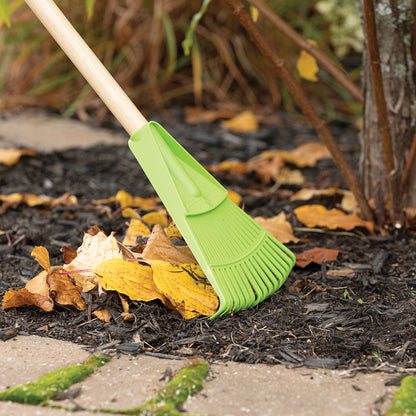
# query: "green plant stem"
328 64
306 106
383 121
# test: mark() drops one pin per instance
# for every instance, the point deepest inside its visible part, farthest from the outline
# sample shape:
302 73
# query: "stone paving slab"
231 389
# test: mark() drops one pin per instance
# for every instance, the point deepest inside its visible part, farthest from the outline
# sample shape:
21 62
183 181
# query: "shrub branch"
304 103
328 64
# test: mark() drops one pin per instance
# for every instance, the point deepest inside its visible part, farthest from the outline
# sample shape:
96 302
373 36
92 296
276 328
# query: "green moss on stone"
404 400
48 386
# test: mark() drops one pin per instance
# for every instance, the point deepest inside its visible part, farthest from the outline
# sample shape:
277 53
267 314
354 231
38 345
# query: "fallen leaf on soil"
266 168
232 166
69 254
319 216
41 255
278 227
186 287
235 197
10 157
94 250
173 232
22 297
64 292
306 65
129 278
13 200
243 122
159 247
290 177
46 288
102 315
126 200
130 213
126 315
194 115
348 202
137 230
316 255
153 218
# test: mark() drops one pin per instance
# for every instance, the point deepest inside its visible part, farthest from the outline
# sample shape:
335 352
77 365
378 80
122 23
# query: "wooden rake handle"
88 64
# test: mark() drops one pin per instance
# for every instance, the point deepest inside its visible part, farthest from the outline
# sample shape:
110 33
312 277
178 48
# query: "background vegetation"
140 41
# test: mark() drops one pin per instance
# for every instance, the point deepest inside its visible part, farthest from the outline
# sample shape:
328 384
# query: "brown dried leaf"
319 216
69 254
278 227
102 315
22 297
64 292
159 247
316 255
266 168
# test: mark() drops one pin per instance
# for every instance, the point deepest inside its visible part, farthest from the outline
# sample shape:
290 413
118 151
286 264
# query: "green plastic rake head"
242 261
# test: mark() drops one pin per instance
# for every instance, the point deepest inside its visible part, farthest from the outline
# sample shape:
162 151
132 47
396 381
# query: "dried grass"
140 42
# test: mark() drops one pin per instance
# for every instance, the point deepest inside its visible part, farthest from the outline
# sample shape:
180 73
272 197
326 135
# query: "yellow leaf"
319 216
235 197
10 157
137 229
186 287
307 65
129 278
159 247
34 200
173 232
153 218
230 166
254 13
124 199
94 250
243 122
102 315
41 255
278 227
129 213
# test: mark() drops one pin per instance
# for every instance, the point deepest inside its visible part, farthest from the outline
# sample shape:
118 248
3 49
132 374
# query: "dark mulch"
364 319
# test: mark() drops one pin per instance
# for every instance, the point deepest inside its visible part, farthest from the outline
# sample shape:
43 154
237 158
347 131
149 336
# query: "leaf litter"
342 310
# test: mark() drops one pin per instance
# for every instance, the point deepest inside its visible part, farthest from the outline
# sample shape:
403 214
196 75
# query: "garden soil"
331 343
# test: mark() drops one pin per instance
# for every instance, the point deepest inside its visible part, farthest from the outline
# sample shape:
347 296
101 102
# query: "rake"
243 262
